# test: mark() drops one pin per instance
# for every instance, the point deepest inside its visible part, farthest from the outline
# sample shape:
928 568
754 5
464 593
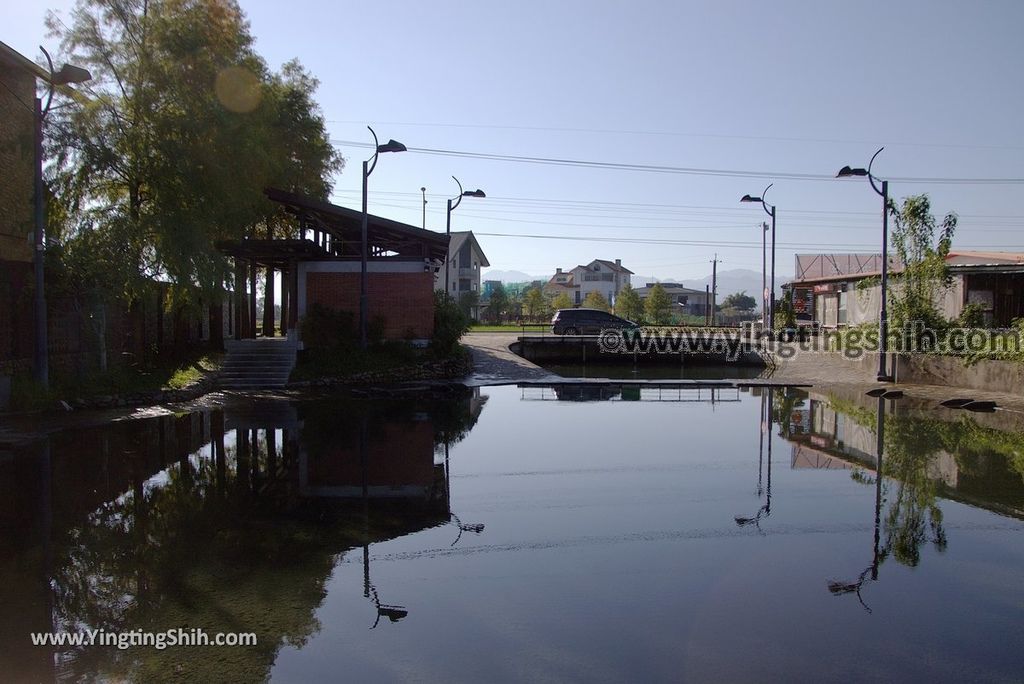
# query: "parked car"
587 322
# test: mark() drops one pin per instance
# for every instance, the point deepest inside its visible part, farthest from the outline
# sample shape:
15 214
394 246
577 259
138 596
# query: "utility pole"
424 191
707 305
714 287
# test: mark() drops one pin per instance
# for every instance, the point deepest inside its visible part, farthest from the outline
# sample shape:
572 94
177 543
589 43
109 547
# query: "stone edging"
434 370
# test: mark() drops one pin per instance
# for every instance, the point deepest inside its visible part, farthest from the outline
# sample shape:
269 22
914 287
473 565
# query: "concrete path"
494 364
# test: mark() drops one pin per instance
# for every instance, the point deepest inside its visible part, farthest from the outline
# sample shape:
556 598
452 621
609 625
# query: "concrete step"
257 364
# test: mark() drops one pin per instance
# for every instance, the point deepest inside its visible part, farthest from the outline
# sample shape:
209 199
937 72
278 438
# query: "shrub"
450 323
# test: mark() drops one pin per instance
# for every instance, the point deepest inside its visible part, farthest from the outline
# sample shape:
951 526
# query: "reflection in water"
925 459
329 529
229 520
765 424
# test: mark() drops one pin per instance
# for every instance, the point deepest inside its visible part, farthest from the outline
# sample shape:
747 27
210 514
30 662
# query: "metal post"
448 257
42 360
424 191
363 304
771 291
883 317
764 276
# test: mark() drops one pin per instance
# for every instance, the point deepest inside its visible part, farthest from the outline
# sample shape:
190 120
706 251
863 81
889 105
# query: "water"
605 534
658 371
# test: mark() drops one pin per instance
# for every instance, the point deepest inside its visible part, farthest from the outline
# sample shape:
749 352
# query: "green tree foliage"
594 300
450 323
498 303
628 304
921 244
468 301
740 301
177 135
658 306
562 301
534 303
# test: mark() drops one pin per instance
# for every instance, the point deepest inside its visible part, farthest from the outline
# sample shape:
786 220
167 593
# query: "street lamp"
424 191
67 75
368 166
770 212
883 316
448 230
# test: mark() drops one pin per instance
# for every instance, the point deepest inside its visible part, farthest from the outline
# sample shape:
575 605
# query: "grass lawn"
510 327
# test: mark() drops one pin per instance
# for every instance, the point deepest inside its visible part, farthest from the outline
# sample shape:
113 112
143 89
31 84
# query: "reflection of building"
824 438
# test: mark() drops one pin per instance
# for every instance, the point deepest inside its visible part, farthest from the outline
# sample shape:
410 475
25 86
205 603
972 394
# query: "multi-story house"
602 276
465 259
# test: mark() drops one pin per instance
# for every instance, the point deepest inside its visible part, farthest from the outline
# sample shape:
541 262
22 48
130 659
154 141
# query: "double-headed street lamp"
368 166
67 75
771 212
448 230
883 316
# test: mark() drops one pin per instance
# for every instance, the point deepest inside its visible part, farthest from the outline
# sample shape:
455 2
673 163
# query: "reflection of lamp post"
883 316
368 166
68 74
476 528
838 588
766 420
770 212
448 230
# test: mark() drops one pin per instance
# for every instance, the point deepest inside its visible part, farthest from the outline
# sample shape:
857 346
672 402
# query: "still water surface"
598 534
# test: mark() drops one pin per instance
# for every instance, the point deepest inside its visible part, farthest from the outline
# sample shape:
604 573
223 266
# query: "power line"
626 206
605 131
656 168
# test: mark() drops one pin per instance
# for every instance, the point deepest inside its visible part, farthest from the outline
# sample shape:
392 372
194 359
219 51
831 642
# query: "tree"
562 301
594 300
182 128
628 304
658 306
924 274
497 303
739 301
534 302
468 301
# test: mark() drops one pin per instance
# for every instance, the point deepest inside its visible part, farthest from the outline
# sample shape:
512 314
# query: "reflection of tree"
222 542
914 516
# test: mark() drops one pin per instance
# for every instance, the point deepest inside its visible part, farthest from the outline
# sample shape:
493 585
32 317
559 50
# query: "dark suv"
586 322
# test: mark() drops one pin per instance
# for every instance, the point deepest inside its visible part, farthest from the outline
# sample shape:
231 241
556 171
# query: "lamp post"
368 166
771 212
764 277
68 74
448 228
424 191
883 315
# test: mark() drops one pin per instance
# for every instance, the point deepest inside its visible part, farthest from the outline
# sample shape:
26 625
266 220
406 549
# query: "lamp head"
474 193
847 172
748 198
69 73
391 146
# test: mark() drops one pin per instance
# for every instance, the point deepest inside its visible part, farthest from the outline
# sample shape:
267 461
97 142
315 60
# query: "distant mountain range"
511 276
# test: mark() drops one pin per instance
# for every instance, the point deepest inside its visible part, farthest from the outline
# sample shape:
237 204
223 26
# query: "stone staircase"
263 363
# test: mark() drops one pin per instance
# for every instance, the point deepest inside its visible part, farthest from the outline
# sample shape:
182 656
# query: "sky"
726 96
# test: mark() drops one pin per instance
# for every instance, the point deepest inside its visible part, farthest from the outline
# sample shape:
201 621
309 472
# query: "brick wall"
404 300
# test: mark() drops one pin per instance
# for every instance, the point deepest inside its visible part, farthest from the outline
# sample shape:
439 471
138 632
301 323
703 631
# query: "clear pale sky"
770 88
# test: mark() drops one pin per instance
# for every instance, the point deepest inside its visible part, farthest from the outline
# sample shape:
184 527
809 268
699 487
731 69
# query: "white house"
465 259
600 275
